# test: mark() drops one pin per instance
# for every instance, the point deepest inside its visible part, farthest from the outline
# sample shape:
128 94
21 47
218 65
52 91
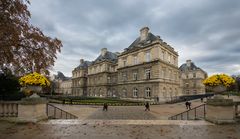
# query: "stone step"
127 122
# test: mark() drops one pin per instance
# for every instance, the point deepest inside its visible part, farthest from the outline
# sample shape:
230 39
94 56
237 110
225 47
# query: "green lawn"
96 101
232 93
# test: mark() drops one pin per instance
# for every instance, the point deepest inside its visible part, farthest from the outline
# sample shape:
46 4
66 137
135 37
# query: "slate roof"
61 76
184 67
109 56
138 42
85 64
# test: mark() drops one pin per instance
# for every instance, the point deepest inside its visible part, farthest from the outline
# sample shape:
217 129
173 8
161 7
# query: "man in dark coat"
147 106
105 107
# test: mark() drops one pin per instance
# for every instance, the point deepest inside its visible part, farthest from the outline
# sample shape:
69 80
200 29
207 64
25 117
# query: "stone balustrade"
8 109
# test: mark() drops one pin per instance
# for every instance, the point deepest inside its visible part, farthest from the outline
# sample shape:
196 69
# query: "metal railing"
8 109
54 112
195 113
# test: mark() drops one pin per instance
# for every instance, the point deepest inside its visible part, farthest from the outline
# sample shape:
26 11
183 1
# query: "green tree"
23 47
9 86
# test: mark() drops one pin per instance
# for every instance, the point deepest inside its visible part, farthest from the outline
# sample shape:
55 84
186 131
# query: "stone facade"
147 69
102 75
192 77
62 84
79 78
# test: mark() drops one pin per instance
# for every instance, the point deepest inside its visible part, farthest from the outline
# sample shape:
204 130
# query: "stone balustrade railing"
8 109
237 109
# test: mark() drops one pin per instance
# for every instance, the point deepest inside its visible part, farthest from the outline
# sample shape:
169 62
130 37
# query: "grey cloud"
205 31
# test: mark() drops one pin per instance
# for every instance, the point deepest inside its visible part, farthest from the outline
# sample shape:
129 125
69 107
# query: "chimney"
188 63
143 33
81 61
103 51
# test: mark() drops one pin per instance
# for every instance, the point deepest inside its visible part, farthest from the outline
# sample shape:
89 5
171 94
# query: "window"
187 85
135 60
187 76
194 75
135 92
187 91
148 56
170 92
164 92
124 76
148 73
174 60
164 73
124 92
194 91
109 93
163 55
89 92
170 74
176 92
124 63
135 76
108 79
194 84
169 57
148 92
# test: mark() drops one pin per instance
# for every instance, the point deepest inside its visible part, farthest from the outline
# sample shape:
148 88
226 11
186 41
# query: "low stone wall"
28 110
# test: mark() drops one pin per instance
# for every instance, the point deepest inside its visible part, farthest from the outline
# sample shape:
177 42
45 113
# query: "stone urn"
35 89
217 90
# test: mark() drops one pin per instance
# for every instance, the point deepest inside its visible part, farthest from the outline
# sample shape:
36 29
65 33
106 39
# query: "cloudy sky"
206 31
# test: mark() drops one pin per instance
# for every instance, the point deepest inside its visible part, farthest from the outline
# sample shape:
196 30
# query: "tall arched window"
170 92
148 92
164 92
135 92
109 93
114 93
176 92
89 92
100 92
124 92
94 92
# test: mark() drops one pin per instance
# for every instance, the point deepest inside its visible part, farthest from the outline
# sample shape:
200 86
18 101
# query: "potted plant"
33 82
218 83
219 109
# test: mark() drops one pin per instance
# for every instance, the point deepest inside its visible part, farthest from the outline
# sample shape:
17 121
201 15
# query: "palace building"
192 78
145 70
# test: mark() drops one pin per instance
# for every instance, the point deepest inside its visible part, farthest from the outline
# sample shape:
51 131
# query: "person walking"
147 107
189 105
105 107
186 104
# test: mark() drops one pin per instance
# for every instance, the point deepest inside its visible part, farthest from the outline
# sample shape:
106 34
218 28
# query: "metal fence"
195 113
54 112
8 109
